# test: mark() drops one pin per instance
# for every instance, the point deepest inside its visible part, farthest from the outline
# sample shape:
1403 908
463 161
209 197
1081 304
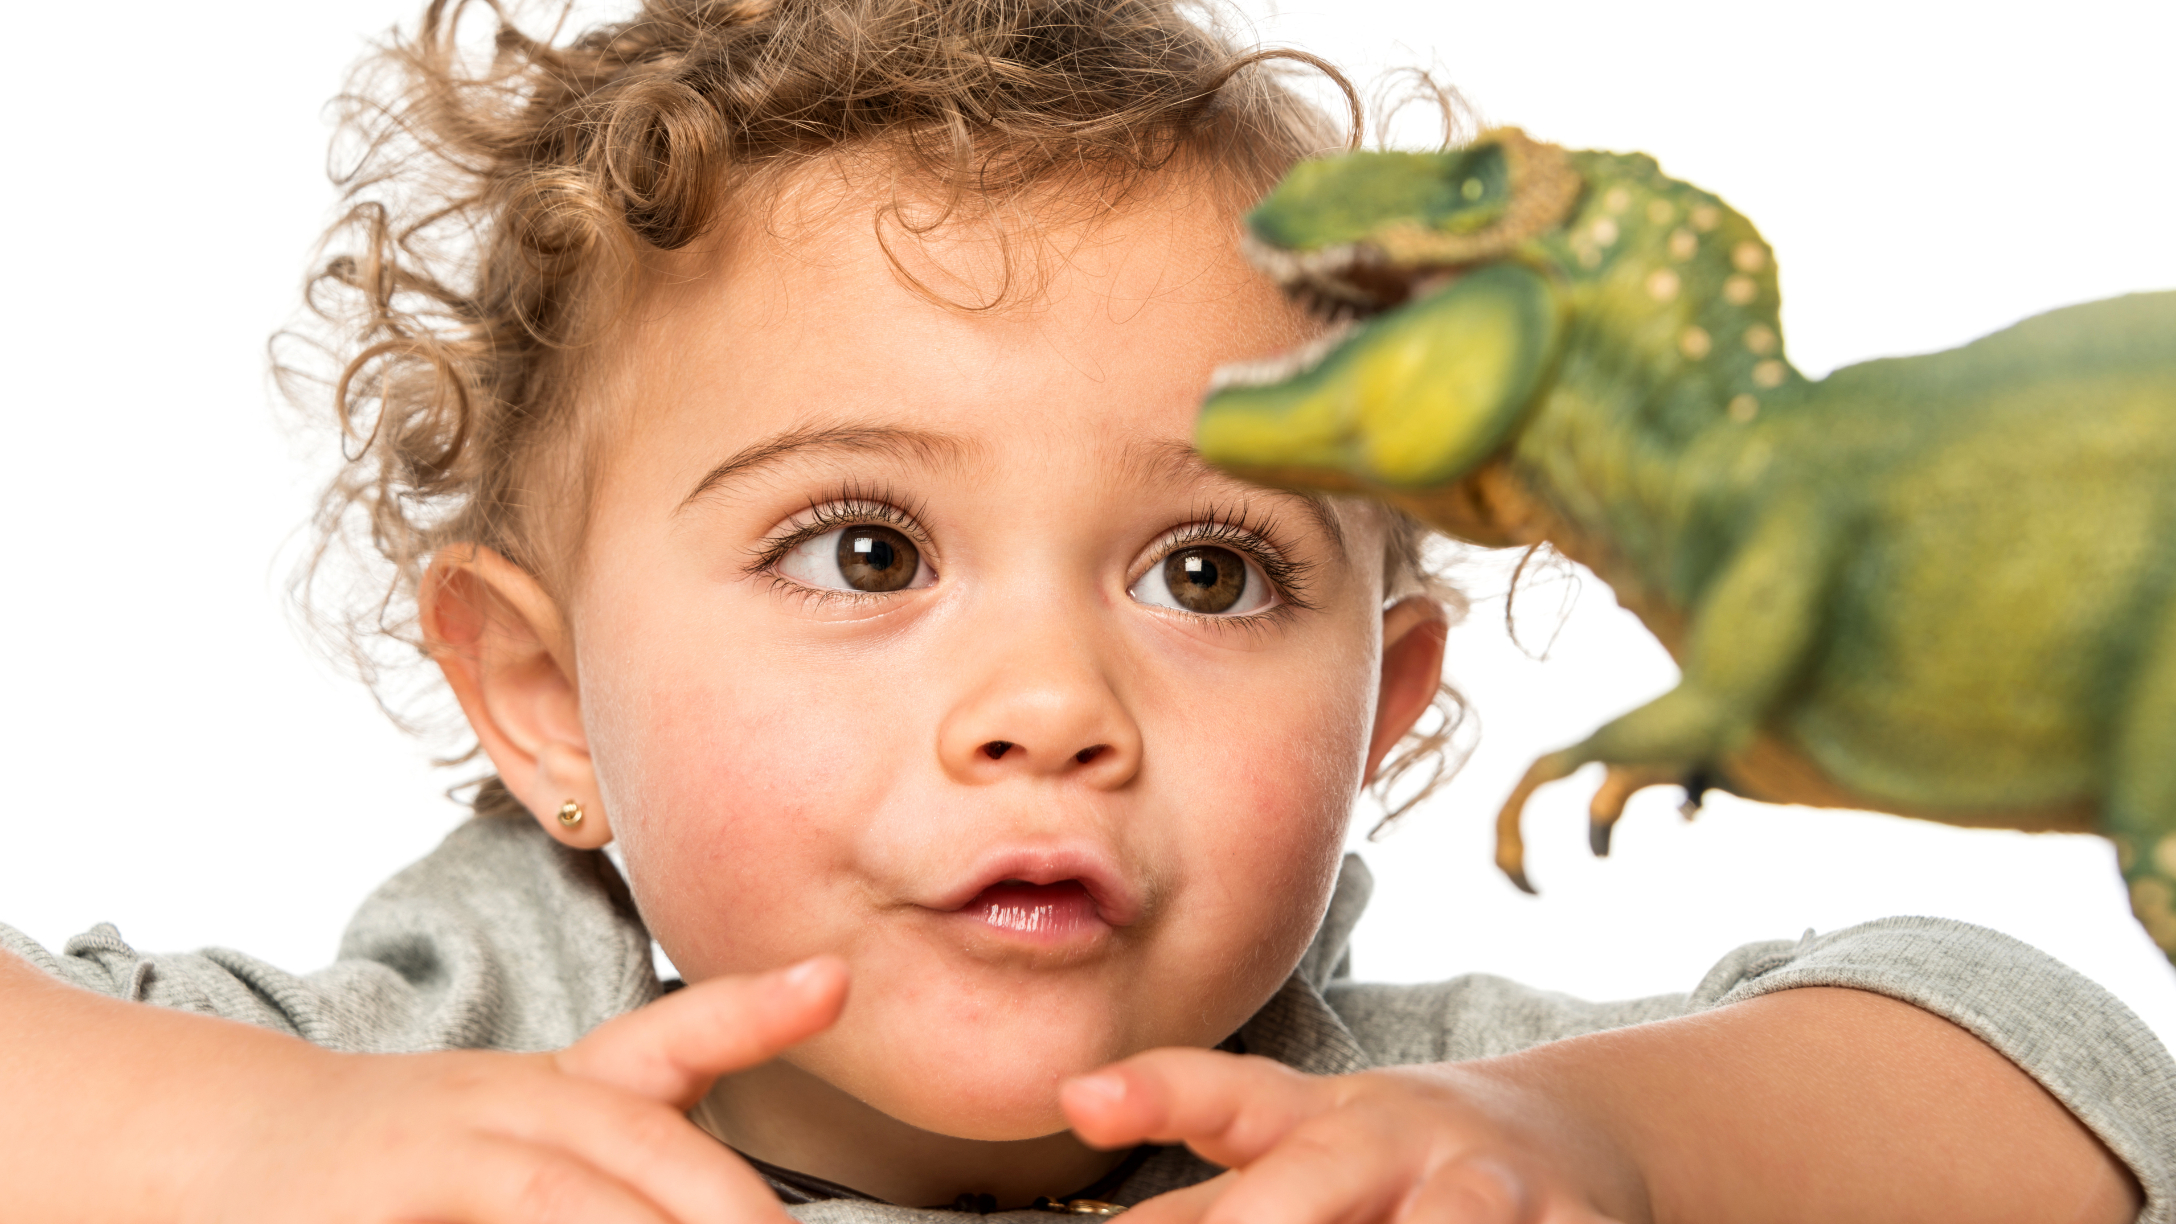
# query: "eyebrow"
838 439
1162 459
1180 463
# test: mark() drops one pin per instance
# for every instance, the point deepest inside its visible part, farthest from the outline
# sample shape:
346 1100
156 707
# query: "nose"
1040 709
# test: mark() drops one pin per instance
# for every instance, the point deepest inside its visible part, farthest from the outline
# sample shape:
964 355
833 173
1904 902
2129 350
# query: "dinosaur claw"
1598 836
1518 878
1697 784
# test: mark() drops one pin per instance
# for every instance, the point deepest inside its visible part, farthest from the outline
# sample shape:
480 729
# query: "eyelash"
1213 525
1236 531
850 508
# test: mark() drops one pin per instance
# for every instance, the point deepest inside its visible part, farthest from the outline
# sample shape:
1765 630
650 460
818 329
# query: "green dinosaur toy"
1941 586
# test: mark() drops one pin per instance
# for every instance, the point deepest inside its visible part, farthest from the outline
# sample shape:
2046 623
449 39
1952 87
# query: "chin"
984 1106
989 1078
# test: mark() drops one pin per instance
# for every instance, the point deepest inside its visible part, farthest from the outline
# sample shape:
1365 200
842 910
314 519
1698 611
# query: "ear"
1413 633
504 648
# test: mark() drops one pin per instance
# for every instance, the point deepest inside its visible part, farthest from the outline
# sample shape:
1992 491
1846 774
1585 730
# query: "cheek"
1285 744
733 781
1267 781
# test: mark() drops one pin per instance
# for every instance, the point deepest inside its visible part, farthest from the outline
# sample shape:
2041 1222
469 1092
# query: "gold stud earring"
570 813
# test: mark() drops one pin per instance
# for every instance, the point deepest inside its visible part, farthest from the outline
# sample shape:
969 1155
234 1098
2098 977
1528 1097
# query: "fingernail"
799 976
1099 1089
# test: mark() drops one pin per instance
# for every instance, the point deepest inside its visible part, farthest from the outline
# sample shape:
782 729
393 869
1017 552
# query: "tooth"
1322 273
1276 263
1289 364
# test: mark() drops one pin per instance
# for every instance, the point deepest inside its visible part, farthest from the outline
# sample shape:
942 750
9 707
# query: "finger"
671 1050
652 1149
1229 1108
1338 1169
1476 1190
1184 1206
502 1181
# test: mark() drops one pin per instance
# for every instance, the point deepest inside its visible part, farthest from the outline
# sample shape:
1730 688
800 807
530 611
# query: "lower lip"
1037 913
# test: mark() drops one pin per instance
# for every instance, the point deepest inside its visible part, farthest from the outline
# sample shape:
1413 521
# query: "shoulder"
500 938
1475 1016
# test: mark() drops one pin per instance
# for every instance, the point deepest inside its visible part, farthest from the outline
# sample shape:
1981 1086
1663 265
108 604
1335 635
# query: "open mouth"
1053 912
1345 286
1055 898
1351 281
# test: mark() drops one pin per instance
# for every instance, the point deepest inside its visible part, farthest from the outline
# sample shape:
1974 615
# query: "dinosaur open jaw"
1345 285
1290 364
1352 280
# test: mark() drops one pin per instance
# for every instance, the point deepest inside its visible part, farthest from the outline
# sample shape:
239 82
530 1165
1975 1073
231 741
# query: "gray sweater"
504 939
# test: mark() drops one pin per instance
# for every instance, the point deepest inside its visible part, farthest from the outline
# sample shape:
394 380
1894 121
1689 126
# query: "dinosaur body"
1942 586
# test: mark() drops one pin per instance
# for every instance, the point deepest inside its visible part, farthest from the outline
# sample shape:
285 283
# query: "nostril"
1086 755
996 749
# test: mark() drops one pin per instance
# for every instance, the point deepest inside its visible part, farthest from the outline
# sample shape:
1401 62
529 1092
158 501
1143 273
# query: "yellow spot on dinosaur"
1660 212
1683 244
1748 257
2164 855
1694 343
1740 291
1662 284
1617 200
1768 375
1760 339
1706 217
1471 189
1604 232
1744 407
1588 256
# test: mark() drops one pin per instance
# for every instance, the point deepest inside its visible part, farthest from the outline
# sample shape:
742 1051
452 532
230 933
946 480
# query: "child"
778 415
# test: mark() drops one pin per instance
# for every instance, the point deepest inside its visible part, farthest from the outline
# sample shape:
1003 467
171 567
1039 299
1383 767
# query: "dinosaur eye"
1206 580
867 557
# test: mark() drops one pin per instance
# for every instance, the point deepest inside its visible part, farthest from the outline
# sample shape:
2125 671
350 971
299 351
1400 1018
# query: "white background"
178 761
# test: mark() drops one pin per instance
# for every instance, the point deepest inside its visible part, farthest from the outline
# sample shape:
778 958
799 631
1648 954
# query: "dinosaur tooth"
1354 276
1289 364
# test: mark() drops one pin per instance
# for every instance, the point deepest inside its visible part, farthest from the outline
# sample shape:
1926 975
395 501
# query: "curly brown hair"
503 196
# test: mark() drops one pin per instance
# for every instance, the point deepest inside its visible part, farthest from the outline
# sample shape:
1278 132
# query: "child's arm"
125 1112
1804 1105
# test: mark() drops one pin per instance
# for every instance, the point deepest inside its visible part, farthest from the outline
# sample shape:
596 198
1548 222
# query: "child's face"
883 648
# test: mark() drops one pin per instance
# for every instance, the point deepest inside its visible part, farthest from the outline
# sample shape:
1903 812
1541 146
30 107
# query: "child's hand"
1411 1144
145 1113
1813 1104
594 1133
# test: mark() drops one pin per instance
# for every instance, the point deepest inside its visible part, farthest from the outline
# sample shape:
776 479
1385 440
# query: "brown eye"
866 557
1205 578
873 558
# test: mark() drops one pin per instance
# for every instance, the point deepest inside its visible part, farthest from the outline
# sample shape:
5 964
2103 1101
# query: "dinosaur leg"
1619 785
1751 634
2141 806
1662 742
1510 842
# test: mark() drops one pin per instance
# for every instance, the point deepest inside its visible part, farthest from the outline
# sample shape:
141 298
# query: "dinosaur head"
1443 340
1362 233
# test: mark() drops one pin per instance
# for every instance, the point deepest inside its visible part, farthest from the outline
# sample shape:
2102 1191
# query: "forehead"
826 310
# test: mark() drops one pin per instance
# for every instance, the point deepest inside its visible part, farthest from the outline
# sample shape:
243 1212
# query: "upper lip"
1117 901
